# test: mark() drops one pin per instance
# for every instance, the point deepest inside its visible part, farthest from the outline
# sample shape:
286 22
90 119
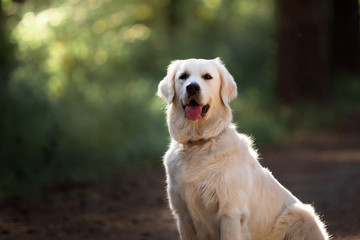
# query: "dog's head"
198 93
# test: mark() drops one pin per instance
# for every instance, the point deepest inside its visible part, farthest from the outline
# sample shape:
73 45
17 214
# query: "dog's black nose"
193 88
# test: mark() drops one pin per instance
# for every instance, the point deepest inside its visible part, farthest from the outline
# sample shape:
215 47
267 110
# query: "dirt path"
323 169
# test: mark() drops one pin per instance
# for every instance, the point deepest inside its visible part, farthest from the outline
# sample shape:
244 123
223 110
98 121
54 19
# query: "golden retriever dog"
217 188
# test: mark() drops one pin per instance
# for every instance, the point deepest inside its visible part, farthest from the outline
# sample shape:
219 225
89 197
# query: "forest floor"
322 168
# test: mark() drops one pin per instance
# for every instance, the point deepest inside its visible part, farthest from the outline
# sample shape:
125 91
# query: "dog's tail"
299 222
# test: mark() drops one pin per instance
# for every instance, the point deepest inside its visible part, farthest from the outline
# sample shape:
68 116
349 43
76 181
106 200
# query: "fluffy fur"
217 189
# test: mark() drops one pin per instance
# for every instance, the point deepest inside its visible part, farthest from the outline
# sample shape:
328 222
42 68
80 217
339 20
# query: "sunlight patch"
100 57
138 31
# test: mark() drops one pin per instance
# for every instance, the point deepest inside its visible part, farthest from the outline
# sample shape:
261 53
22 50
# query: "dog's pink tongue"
193 112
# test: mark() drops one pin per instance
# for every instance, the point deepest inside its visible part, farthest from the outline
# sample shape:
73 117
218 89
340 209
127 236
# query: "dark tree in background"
7 61
345 35
3 56
315 38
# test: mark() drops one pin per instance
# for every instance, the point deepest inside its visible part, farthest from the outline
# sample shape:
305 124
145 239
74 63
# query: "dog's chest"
199 179
201 196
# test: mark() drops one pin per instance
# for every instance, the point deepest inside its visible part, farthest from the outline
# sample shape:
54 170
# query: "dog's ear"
228 89
166 88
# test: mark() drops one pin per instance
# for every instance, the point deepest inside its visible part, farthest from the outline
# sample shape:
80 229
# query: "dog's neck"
202 141
196 133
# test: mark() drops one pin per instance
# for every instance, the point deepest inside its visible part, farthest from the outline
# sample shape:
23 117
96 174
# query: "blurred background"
78 78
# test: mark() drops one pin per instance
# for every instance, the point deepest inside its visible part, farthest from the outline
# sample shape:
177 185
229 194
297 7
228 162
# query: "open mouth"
194 111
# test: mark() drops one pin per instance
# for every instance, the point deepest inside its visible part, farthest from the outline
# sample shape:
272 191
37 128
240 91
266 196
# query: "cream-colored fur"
217 189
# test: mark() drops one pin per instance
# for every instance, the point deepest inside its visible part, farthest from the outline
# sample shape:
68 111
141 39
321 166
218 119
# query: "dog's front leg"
233 227
183 219
186 227
184 223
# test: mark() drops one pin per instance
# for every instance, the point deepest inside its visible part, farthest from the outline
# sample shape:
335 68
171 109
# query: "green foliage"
80 102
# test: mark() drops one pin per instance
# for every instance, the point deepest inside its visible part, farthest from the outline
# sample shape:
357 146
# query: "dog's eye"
207 76
184 76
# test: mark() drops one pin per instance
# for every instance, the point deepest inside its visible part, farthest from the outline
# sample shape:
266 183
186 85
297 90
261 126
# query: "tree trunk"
7 59
3 55
303 51
346 36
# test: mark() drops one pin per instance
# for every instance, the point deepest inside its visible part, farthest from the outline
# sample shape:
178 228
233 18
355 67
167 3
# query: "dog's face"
197 86
197 92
